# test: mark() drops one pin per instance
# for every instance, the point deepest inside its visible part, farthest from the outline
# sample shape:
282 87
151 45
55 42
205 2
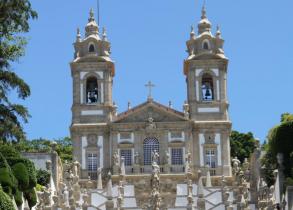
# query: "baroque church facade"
198 134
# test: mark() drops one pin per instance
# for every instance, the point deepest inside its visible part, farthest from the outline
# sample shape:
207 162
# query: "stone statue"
89 183
76 189
167 157
155 156
47 196
188 157
189 194
55 202
235 165
136 158
155 199
99 181
151 125
116 159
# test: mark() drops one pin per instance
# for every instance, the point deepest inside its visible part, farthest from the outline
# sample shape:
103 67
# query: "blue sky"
148 41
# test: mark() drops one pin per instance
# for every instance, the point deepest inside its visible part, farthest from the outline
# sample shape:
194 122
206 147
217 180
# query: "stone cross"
150 85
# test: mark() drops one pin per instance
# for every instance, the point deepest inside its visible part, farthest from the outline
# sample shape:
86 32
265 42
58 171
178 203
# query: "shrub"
9 151
30 168
7 178
31 197
21 174
43 177
18 198
5 201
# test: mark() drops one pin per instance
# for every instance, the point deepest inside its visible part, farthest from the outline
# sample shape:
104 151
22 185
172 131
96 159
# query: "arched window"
150 145
207 88
206 45
92 90
91 48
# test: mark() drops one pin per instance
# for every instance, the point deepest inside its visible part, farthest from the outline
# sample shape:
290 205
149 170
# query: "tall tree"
14 21
242 145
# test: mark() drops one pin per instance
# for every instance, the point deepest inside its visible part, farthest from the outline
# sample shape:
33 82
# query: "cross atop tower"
150 85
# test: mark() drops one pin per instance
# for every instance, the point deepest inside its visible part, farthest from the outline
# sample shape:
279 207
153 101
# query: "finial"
78 36
128 105
104 34
204 11
192 33
218 33
92 15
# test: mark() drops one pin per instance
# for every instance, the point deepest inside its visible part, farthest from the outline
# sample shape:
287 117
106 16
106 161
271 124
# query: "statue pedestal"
167 169
115 170
136 169
109 205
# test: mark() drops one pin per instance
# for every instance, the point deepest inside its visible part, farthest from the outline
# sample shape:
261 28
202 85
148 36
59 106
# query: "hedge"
31 197
21 174
7 179
5 201
30 169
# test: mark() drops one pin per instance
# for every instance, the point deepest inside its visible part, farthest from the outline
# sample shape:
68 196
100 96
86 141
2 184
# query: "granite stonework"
151 156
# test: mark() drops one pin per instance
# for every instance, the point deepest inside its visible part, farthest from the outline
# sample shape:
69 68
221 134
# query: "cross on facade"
149 85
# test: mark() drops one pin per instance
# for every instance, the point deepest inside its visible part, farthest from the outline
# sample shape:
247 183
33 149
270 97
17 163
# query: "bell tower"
92 73
206 72
206 77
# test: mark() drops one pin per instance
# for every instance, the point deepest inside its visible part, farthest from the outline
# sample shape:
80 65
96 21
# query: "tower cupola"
92 27
204 24
94 45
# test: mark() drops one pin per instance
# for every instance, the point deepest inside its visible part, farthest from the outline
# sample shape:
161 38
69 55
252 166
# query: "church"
151 156
101 136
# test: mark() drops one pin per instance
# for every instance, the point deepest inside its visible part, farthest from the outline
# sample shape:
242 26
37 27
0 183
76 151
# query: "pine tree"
14 16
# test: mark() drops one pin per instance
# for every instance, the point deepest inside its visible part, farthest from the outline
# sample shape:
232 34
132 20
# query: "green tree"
280 140
63 148
14 17
242 145
17 174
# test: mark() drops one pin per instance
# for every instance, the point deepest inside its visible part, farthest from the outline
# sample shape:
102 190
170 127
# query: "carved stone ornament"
92 140
209 138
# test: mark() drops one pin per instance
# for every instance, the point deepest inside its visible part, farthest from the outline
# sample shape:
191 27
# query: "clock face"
92 140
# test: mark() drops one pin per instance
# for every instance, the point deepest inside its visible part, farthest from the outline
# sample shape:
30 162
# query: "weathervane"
149 85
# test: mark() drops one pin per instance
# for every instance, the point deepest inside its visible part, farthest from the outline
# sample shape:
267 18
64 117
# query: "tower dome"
204 24
92 27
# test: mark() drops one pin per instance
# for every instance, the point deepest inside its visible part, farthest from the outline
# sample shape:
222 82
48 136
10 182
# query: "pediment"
154 110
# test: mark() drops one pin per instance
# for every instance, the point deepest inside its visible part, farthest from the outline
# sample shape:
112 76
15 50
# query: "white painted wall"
101 146
208 110
219 148
83 152
91 112
201 152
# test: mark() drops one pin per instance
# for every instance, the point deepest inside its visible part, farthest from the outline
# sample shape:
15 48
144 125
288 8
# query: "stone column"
226 161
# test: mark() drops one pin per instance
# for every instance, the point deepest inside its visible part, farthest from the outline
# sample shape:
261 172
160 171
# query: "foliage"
14 19
31 197
7 179
5 201
8 150
63 148
242 145
39 188
43 177
21 174
18 198
17 174
280 141
32 174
